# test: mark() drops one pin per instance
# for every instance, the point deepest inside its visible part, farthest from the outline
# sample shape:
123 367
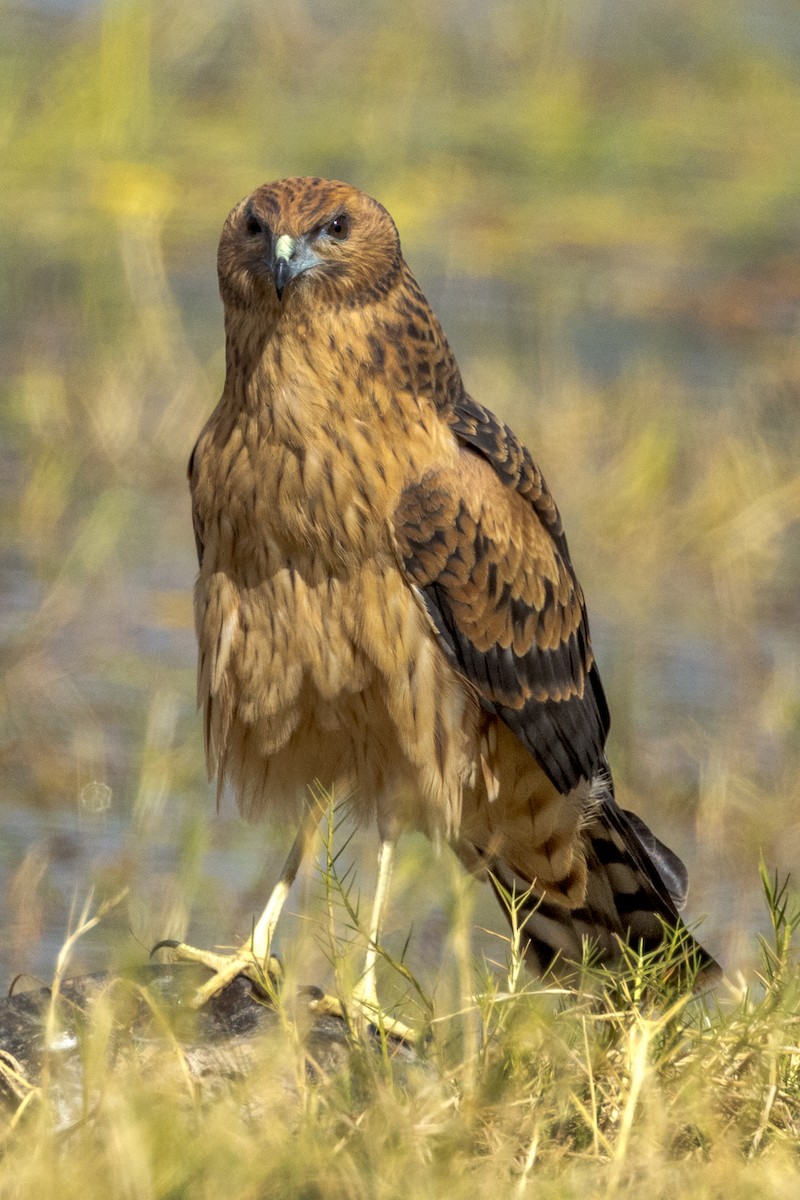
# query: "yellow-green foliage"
601 201
527 1089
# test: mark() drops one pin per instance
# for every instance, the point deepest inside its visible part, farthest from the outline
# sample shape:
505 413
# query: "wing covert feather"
482 541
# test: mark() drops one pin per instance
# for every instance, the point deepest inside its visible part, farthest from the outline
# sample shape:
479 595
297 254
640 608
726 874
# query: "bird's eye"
254 225
339 227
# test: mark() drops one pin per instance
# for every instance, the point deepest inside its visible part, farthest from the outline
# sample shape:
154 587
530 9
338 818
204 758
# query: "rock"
41 1043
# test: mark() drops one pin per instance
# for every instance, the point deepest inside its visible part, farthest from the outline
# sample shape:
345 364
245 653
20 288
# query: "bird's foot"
363 1014
266 974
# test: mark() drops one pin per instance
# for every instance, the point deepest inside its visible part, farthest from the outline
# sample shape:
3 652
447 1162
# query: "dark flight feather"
549 695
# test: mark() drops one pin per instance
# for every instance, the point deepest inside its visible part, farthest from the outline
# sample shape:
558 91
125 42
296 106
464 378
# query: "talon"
165 944
311 993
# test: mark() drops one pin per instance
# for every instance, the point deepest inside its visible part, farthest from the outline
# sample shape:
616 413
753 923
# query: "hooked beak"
291 257
282 273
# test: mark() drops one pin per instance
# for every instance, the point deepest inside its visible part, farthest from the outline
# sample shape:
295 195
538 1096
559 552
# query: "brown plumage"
386 601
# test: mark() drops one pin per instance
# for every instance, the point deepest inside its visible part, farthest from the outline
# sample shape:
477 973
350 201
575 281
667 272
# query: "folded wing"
483 543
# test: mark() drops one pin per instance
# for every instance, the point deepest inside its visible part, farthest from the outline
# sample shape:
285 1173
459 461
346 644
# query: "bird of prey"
386 600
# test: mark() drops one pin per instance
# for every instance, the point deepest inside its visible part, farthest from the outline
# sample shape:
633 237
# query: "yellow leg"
253 959
365 993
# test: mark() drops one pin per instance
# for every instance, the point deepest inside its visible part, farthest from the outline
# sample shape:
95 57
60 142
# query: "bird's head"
305 238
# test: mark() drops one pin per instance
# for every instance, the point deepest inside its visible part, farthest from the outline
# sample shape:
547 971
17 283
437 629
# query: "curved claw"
309 992
165 944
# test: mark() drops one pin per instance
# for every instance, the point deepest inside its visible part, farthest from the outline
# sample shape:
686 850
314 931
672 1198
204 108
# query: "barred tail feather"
635 888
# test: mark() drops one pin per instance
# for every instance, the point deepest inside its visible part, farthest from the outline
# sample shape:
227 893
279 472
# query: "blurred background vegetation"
601 202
